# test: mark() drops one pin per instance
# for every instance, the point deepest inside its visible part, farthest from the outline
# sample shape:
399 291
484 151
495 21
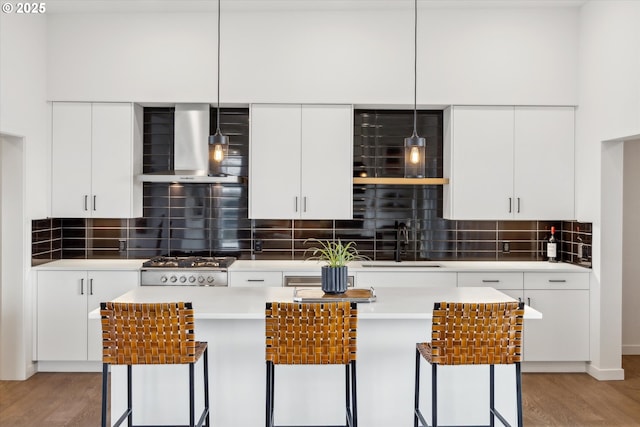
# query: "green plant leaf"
334 253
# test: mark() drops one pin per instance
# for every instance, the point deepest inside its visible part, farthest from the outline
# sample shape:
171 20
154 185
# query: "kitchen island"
232 322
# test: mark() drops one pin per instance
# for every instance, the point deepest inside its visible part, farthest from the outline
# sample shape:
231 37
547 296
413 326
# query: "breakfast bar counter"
231 320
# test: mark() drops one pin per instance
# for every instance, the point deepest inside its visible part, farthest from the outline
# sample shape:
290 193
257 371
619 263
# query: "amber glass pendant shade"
218 151
414 156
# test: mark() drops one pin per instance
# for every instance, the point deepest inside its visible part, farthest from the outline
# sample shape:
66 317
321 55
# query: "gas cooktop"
189 262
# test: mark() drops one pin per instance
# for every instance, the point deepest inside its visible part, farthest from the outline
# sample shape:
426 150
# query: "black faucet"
402 239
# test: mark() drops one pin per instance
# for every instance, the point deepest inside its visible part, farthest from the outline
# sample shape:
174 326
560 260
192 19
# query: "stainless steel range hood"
191 150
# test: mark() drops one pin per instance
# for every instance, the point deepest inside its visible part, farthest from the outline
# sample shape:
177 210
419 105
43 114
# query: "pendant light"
218 143
414 146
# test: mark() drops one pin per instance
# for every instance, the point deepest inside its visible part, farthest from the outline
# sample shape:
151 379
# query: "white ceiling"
173 6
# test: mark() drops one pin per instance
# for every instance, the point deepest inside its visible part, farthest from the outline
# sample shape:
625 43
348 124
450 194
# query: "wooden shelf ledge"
402 181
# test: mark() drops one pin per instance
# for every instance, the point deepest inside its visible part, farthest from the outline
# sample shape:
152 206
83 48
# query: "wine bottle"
580 245
552 246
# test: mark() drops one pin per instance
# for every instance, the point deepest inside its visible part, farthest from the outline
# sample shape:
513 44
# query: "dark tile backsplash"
212 219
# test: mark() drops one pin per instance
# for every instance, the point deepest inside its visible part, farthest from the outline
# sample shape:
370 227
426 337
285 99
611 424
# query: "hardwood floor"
62 399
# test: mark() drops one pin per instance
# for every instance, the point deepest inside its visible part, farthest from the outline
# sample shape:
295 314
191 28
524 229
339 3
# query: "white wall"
352 55
24 135
609 107
24 109
631 250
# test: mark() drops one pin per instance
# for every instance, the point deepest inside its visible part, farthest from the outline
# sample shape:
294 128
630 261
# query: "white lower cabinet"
412 279
240 279
563 333
64 300
503 281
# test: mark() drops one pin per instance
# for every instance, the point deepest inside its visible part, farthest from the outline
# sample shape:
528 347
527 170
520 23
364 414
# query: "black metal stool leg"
416 396
434 395
519 393
270 394
129 395
267 395
192 397
105 380
492 396
205 367
354 401
347 394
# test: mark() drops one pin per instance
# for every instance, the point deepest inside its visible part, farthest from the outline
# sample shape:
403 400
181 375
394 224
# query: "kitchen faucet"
402 239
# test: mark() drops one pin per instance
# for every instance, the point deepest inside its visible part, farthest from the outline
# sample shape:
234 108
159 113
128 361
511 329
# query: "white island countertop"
249 303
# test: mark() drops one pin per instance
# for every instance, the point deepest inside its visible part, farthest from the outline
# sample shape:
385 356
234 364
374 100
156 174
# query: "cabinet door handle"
529 302
490 281
518 204
557 281
94 202
295 203
81 286
510 202
255 280
90 286
86 200
304 204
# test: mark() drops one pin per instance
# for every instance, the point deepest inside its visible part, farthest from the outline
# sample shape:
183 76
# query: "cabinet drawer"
556 281
255 278
498 280
381 279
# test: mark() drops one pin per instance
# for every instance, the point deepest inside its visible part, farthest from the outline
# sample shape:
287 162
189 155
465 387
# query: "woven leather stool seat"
151 334
473 334
312 334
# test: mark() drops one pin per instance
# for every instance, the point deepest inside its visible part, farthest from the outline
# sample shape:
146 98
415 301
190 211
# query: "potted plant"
336 255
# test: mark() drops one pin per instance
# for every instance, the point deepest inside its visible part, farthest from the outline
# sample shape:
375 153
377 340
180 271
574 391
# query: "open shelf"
402 181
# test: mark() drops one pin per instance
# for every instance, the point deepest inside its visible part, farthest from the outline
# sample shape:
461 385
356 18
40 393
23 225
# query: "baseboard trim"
605 374
44 366
554 367
631 350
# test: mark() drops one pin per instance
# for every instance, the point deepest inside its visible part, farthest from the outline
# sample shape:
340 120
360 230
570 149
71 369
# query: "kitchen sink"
401 264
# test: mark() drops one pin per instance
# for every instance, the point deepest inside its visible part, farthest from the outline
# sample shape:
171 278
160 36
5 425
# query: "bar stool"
151 334
312 334
472 334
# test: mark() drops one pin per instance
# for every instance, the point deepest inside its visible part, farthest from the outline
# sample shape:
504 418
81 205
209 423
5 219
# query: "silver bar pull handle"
510 204
86 200
255 280
304 204
81 286
90 286
490 281
295 204
518 204
557 281
94 202
529 302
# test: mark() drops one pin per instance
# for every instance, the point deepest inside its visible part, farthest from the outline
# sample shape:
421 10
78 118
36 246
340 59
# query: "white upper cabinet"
301 161
544 163
478 160
96 155
509 163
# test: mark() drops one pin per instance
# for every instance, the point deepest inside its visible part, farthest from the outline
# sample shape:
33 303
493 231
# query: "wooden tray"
317 295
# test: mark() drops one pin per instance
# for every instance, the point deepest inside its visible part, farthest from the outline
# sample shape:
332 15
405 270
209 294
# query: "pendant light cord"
415 67
218 104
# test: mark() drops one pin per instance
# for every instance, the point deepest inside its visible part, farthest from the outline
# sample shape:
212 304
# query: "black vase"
334 279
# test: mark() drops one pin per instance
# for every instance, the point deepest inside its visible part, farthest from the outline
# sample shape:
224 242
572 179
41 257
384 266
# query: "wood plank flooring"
73 399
